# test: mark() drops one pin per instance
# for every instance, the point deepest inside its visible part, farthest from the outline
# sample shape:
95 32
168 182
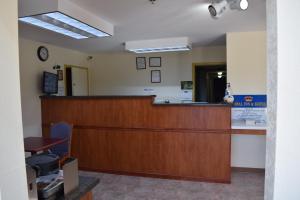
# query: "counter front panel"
130 135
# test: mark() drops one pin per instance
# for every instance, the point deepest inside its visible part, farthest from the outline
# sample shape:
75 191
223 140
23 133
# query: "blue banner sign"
250 101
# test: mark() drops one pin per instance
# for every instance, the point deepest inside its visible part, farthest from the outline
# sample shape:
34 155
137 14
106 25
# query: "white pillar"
283 139
12 158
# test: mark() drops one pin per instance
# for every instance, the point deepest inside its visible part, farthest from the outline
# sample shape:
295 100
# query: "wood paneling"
134 113
133 136
181 154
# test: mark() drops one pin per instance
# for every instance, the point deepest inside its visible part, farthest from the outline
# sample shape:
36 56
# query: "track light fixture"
218 7
244 4
152 1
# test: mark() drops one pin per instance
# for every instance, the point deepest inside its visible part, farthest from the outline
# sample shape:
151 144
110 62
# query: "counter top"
96 97
243 126
257 127
86 184
159 103
190 104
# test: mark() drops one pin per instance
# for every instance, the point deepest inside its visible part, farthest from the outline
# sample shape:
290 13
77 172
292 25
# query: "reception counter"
132 135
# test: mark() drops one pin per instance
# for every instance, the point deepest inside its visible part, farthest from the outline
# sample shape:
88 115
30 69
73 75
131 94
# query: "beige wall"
246 61
246 69
31 69
115 73
12 159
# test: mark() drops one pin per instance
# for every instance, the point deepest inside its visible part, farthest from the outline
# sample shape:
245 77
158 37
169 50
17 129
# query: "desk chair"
62 130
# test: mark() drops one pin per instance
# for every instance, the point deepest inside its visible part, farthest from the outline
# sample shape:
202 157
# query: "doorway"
77 81
210 82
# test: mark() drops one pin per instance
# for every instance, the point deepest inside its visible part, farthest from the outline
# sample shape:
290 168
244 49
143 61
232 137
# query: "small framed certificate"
155 76
155 62
140 63
60 75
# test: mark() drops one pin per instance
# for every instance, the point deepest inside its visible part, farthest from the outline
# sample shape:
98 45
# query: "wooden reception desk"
132 135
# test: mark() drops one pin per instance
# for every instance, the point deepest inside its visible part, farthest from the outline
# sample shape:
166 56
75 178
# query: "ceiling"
139 19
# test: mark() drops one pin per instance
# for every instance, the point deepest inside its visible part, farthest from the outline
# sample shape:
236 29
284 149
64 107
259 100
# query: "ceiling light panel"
167 49
63 24
76 24
159 45
64 17
51 27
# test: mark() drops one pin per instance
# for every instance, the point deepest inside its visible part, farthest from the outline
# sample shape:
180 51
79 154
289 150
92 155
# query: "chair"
61 130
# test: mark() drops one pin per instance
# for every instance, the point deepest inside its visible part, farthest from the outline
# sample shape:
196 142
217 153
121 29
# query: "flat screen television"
50 83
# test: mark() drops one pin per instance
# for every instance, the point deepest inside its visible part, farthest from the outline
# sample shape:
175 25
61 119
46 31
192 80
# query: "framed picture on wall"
155 62
186 85
140 63
60 75
155 76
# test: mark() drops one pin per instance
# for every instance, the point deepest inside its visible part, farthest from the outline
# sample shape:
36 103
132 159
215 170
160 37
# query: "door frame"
79 67
194 65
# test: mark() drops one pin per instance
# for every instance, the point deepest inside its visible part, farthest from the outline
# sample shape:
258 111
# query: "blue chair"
61 130
57 154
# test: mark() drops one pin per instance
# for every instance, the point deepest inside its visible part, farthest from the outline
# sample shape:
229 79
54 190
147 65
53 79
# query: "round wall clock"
43 53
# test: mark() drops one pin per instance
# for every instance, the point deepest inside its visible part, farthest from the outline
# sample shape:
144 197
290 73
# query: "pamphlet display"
249 112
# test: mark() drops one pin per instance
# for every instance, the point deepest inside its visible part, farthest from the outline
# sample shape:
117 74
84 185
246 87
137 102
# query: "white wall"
12 158
283 175
31 69
246 71
115 73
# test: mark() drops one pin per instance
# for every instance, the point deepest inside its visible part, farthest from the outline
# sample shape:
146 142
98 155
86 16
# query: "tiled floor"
244 186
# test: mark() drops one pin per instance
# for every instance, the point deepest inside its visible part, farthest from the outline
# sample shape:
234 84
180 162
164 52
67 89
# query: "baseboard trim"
247 170
209 180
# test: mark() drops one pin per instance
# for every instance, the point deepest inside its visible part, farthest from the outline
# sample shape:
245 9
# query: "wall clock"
43 53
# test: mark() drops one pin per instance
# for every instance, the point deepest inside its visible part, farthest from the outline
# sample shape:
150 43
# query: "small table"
36 144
